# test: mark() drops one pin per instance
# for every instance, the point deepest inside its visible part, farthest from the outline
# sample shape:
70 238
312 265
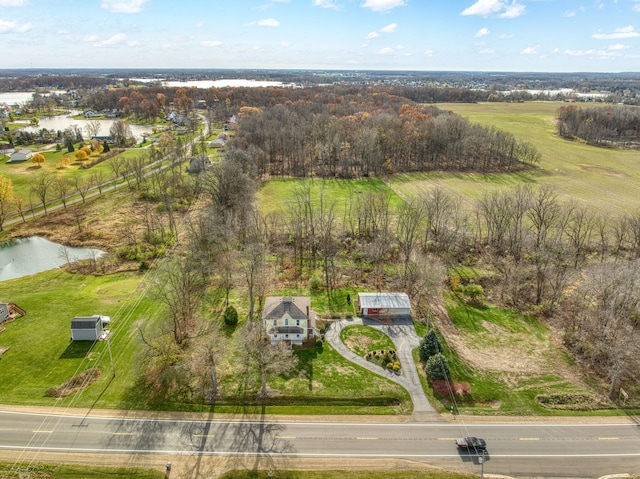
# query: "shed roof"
85 322
384 300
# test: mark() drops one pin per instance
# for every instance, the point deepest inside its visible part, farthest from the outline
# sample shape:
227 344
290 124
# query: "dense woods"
349 139
617 126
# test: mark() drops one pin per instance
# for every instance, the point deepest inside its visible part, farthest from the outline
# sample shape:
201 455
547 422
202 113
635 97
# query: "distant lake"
224 83
35 254
62 122
16 97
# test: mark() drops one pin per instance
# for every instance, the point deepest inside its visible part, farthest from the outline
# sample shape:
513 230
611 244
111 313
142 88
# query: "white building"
288 318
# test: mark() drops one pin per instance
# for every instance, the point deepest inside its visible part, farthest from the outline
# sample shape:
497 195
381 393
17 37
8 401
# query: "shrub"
437 367
315 283
396 366
230 316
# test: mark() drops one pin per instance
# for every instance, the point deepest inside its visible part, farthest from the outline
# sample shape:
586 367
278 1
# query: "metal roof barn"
389 304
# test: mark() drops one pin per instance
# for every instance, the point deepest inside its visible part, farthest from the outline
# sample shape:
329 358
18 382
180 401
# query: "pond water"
16 97
26 256
62 122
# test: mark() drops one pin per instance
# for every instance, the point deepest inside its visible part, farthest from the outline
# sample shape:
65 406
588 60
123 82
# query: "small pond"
26 256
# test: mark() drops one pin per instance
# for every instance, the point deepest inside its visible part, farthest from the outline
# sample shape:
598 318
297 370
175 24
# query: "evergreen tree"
437 367
429 346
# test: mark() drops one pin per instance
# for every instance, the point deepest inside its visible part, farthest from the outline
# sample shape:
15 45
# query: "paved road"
405 339
516 450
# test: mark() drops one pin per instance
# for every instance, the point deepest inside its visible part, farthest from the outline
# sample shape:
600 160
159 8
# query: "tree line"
617 126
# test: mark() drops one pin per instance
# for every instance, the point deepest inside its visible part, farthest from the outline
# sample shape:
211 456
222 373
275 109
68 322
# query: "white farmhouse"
288 318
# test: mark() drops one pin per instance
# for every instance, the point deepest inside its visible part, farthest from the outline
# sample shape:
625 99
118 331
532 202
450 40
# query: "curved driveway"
405 339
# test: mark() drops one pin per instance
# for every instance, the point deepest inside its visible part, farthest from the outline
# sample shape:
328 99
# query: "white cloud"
505 36
63 32
199 24
486 8
530 50
123 6
513 11
14 3
636 8
285 44
486 51
385 51
382 6
113 40
569 14
389 28
578 53
618 47
211 43
372 35
624 32
555 50
265 22
134 43
14 27
399 47
428 53
326 4
482 33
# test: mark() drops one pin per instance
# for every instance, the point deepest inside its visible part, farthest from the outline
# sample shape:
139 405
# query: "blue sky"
482 35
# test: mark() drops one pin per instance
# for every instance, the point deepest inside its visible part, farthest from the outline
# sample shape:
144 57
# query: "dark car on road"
471 443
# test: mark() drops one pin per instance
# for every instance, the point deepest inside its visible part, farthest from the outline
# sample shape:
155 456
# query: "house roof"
296 307
384 300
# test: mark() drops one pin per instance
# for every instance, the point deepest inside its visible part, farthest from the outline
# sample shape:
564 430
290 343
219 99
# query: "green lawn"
64 471
607 180
41 355
363 339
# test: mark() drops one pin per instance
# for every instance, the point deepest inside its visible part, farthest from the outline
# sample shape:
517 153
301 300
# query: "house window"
286 322
275 323
297 322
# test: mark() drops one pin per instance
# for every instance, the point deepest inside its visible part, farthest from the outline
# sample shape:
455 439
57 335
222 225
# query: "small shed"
384 304
86 328
20 155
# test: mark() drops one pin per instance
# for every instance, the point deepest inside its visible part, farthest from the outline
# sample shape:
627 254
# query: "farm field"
605 180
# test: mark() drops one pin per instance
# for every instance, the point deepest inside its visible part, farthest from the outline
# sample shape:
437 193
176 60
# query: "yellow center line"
446 439
203 435
286 437
608 438
123 434
44 432
366 438
529 438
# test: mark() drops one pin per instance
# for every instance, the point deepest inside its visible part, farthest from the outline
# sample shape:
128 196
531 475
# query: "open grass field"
64 471
606 180
41 356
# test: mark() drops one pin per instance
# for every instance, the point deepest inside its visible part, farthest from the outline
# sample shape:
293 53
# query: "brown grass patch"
601 170
75 384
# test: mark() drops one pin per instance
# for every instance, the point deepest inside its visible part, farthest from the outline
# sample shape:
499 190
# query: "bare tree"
408 223
269 359
41 185
62 186
180 286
